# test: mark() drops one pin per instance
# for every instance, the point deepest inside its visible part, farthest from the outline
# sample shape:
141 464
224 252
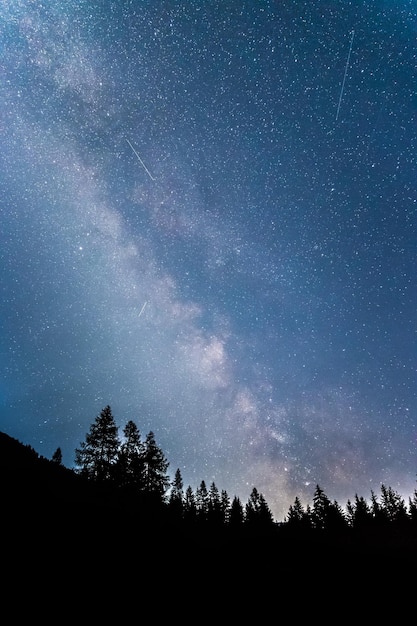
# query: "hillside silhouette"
61 518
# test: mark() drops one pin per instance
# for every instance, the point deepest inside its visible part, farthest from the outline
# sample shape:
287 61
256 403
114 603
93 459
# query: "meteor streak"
142 309
344 77
140 161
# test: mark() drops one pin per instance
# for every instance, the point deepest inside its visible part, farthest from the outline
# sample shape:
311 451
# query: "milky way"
208 222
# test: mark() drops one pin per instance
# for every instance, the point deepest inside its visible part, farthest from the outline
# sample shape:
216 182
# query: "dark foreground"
72 554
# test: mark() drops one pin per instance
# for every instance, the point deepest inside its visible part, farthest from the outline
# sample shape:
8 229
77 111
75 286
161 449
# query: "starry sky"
208 221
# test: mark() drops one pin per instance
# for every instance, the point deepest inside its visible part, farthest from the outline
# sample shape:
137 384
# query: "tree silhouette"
236 515
257 511
412 508
379 516
97 455
393 505
336 520
190 506
298 518
57 456
136 472
202 501
320 509
176 496
225 506
326 515
155 468
359 514
214 511
130 468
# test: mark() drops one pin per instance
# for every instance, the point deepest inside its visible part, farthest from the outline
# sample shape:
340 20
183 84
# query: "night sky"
208 221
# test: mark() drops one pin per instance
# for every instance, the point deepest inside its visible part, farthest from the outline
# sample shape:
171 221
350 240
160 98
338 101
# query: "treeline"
388 510
118 516
138 469
118 521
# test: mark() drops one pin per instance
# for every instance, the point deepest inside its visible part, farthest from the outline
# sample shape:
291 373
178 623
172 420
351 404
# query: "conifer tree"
214 512
202 501
378 513
336 519
131 463
190 506
297 517
321 508
326 515
295 513
176 497
359 515
412 508
393 505
57 456
257 511
155 468
236 515
97 455
225 506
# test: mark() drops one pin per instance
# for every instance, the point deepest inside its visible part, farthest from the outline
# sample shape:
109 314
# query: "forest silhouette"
119 503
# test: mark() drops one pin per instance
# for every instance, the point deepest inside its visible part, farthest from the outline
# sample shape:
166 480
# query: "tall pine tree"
131 462
97 455
257 511
176 496
155 468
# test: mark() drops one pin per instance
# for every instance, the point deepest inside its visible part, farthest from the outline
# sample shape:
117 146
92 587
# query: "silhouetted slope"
24 474
65 536
37 494
48 509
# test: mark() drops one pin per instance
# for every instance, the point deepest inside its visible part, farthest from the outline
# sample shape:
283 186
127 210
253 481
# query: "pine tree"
336 520
412 508
393 505
97 455
202 501
327 515
321 508
359 513
176 497
264 512
214 513
257 511
236 515
295 512
297 517
155 468
190 506
225 506
378 513
130 469
57 456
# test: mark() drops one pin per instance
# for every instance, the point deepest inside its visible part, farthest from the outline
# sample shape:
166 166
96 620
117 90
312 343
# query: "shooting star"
344 77
140 161
142 309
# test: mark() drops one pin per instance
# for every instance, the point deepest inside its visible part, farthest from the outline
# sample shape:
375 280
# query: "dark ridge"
50 515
